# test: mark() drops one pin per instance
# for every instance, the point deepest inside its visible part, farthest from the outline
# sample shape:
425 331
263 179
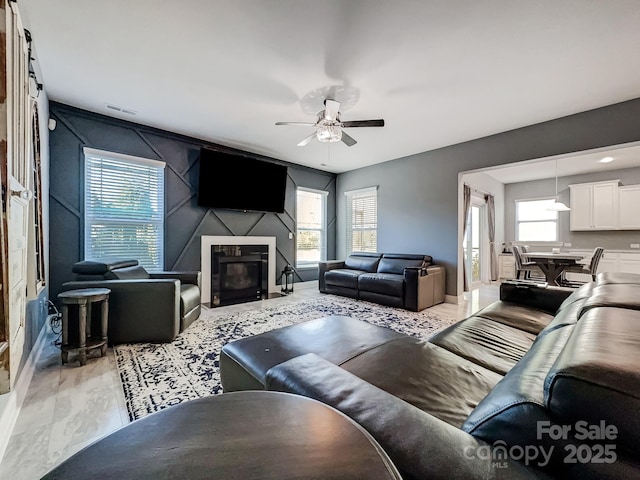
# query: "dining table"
552 264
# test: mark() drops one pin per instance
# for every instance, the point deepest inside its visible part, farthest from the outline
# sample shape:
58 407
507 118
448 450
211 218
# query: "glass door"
473 245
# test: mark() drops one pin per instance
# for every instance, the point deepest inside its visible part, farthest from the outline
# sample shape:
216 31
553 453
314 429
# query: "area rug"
158 376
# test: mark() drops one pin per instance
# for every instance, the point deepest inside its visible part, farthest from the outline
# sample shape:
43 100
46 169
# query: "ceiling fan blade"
307 139
306 124
331 108
349 141
363 123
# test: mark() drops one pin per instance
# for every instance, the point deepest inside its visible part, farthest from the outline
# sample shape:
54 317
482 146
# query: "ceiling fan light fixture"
329 133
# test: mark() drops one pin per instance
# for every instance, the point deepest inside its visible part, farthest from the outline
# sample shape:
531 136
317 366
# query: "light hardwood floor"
67 407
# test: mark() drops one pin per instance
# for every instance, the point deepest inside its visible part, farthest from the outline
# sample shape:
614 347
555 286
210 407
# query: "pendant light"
557 205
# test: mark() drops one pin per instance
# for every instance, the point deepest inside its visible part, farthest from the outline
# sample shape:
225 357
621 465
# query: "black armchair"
143 306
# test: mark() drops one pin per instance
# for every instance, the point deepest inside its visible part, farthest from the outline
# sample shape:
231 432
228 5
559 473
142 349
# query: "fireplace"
239 273
208 241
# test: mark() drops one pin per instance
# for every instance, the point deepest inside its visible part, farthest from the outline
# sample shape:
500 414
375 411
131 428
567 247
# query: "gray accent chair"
143 306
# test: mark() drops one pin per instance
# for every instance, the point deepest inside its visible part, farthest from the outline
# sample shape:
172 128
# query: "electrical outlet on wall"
290 235
635 245
567 244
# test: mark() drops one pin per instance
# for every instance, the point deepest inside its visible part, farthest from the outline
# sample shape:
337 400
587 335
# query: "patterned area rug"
158 376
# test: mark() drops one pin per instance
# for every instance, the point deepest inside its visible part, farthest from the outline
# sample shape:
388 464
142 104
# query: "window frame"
88 222
323 229
517 222
38 219
349 197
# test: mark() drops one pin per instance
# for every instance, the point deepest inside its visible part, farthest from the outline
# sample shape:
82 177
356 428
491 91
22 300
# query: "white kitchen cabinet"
581 203
629 207
594 206
609 263
629 262
507 265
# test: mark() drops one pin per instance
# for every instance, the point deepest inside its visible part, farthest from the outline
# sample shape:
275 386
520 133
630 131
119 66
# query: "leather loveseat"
543 383
397 280
143 306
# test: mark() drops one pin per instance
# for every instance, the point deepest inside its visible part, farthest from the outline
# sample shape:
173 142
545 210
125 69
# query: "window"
311 227
37 202
535 221
362 220
124 208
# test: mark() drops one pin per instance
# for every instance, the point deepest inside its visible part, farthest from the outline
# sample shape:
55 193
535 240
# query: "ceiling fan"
329 126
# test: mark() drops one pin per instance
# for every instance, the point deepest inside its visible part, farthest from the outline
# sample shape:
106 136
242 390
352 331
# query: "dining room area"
558 220
554 266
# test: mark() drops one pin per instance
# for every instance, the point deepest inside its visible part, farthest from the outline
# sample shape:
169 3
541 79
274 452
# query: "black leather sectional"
543 383
397 280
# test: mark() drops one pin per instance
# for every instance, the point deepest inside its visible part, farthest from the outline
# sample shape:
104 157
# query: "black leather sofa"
397 280
143 306
506 393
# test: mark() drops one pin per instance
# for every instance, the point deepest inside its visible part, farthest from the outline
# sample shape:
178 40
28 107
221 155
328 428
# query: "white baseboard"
304 285
11 403
455 299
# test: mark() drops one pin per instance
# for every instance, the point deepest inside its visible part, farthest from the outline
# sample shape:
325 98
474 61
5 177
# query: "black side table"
250 435
85 340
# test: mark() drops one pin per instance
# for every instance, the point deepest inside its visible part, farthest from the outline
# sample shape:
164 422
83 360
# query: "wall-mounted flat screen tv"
238 182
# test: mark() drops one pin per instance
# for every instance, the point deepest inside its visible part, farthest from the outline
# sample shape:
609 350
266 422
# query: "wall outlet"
567 244
290 235
635 245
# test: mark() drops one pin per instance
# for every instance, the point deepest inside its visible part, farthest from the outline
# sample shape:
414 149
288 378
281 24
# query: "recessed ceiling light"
606 160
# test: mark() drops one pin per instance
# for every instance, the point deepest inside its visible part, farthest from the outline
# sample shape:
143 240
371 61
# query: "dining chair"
591 269
523 266
524 249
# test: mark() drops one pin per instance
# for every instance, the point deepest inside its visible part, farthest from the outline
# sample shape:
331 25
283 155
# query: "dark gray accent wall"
418 194
185 222
616 240
35 318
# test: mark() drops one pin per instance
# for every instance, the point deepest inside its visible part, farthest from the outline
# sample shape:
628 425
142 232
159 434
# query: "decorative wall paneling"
185 221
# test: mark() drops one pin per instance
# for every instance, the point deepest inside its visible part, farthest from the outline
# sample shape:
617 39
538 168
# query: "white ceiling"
583 162
438 72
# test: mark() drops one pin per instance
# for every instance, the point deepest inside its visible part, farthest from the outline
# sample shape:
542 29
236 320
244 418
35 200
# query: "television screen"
237 182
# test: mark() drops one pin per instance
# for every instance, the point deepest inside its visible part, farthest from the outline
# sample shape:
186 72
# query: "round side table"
250 435
87 340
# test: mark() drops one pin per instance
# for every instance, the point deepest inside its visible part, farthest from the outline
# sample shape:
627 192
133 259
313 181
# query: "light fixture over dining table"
557 205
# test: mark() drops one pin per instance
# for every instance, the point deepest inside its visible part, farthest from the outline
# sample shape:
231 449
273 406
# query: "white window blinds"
311 227
362 220
124 208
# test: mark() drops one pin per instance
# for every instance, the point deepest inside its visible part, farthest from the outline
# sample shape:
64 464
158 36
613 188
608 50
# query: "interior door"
18 209
17 185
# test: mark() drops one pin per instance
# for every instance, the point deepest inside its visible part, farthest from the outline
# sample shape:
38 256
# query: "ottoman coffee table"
244 363
242 435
